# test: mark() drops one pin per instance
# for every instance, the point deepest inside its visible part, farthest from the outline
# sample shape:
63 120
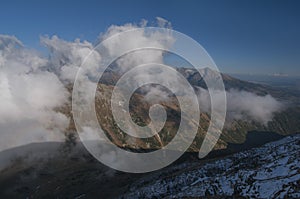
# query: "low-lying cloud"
28 95
243 105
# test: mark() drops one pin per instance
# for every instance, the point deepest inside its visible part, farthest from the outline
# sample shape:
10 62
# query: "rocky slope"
285 122
48 170
271 171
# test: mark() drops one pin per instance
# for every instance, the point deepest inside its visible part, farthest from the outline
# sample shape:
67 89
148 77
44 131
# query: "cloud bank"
28 95
243 105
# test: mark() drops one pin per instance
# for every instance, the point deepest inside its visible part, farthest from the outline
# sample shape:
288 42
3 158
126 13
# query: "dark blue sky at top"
258 37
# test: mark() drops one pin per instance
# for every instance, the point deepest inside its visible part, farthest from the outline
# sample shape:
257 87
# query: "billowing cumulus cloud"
133 41
66 57
28 95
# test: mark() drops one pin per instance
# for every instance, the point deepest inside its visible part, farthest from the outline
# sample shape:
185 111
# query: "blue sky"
258 37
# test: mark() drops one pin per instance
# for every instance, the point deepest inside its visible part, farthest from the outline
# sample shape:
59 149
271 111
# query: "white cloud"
163 23
133 41
28 95
243 105
66 57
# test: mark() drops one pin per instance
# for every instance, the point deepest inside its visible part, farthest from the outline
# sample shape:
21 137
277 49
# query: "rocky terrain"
283 122
270 171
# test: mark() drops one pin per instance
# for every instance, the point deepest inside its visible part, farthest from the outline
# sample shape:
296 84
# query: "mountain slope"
271 171
284 122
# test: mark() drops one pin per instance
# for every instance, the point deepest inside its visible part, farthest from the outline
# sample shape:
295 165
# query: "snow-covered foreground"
271 171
